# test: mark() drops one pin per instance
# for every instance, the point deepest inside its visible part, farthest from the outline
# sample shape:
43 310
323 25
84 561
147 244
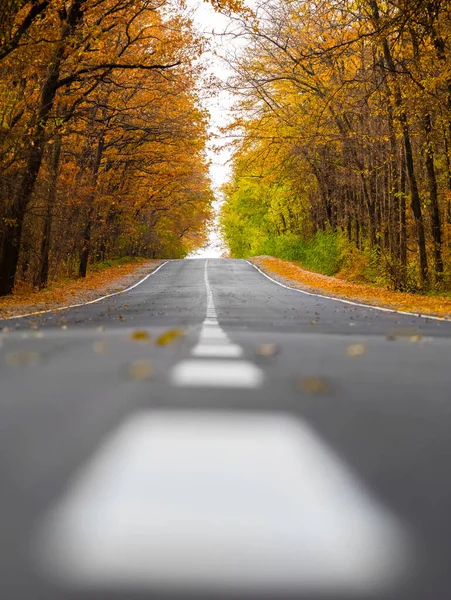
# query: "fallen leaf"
267 350
99 347
140 335
314 385
140 370
16 359
356 350
169 337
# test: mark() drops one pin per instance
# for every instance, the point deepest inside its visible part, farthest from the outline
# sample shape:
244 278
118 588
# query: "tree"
355 97
99 111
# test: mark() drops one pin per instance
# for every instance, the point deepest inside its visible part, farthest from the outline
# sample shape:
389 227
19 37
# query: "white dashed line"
207 369
217 373
221 501
217 351
213 333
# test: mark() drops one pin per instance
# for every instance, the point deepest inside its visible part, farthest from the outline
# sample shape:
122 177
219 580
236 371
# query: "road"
260 443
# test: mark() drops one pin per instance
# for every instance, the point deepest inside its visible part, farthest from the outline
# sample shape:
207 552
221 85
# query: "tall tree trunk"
86 249
448 168
42 274
84 257
396 204
403 220
433 199
403 217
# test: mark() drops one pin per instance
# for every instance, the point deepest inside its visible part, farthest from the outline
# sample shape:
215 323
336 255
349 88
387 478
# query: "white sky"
211 24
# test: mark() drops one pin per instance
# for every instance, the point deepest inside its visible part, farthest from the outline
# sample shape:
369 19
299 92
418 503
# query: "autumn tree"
349 105
101 133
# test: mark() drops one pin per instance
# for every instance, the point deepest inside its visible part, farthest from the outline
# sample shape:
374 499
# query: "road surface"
212 434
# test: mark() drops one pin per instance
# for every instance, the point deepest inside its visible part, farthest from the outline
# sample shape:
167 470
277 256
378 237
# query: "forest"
342 139
102 135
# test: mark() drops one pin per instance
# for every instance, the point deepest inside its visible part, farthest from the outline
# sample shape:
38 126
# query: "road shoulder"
293 275
77 291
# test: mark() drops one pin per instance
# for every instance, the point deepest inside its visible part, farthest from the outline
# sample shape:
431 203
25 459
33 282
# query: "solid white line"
216 374
43 312
361 305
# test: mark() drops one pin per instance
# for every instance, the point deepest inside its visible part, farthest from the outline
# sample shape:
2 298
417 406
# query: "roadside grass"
105 277
357 292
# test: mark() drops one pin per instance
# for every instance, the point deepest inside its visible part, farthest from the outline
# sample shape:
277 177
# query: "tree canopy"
343 133
102 134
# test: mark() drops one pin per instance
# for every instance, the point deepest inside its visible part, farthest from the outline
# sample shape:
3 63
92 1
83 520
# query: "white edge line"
51 310
390 310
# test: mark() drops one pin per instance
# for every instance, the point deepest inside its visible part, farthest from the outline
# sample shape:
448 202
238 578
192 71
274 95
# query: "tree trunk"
84 258
86 249
433 198
403 221
42 275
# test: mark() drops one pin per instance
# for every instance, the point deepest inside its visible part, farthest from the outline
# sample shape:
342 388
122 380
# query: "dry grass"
339 288
73 291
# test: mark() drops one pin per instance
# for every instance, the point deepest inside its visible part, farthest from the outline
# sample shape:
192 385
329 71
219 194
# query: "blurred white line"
213 333
217 350
221 501
216 373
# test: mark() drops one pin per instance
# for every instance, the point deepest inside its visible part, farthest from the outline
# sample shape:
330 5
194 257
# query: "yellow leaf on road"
169 337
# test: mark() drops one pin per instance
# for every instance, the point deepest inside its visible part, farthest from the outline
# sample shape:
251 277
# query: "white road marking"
43 312
213 333
343 301
193 501
217 351
216 373
209 369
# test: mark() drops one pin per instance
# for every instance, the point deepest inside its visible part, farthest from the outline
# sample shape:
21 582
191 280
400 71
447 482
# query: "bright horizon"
211 24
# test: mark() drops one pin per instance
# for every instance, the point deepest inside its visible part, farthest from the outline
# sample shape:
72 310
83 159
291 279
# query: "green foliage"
320 253
264 217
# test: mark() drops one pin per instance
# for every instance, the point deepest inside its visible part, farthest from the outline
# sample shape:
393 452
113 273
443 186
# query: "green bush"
321 253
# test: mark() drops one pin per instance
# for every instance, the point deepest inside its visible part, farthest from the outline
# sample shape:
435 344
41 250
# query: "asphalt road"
260 443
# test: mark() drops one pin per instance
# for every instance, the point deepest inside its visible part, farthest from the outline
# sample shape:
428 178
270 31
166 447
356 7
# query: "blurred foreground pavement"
211 434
